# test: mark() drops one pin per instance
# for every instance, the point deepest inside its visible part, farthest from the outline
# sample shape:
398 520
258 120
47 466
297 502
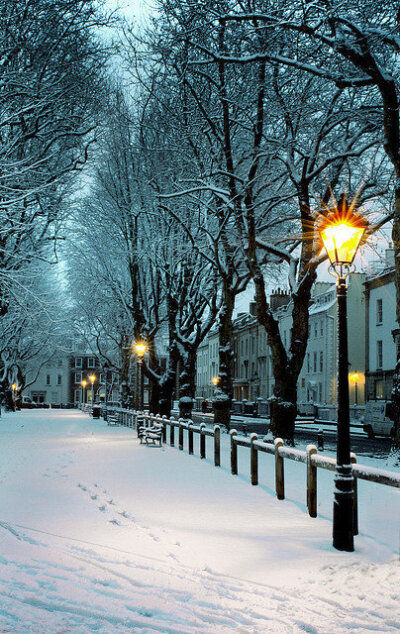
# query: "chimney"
279 298
253 309
389 255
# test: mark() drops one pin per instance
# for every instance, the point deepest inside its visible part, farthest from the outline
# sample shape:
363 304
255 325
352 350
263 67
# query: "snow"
102 534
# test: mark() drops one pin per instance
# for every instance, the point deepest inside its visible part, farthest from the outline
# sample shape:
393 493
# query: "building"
48 381
380 317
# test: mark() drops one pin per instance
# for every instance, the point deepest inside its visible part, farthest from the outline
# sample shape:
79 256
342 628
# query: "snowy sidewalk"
101 534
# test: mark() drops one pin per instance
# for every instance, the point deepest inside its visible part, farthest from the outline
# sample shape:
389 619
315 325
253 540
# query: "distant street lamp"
140 349
355 377
92 379
83 389
216 381
14 388
341 233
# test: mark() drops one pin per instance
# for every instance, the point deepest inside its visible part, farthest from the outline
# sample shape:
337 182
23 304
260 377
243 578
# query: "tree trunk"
284 406
187 382
226 355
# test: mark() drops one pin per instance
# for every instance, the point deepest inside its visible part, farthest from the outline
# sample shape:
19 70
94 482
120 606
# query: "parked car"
378 419
27 403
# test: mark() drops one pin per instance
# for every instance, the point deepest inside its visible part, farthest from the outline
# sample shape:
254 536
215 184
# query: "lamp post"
341 233
83 389
92 379
14 388
354 377
140 348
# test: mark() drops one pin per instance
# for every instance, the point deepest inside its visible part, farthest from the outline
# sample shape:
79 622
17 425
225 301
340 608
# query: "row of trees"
241 125
51 61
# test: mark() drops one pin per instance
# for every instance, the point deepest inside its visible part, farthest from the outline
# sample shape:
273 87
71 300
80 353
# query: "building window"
379 389
308 362
90 362
379 311
316 330
315 361
47 379
60 363
78 377
321 361
59 379
78 362
379 354
320 392
322 328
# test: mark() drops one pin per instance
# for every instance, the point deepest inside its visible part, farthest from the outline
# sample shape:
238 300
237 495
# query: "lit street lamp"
83 389
216 381
354 377
92 379
341 233
140 348
14 388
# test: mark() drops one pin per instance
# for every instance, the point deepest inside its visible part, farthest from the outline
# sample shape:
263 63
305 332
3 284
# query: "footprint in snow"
116 522
110 502
102 508
93 497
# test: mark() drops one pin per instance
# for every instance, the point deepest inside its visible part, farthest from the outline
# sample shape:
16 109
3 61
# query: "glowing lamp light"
92 378
341 242
14 386
140 349
215 380
84 383
355 376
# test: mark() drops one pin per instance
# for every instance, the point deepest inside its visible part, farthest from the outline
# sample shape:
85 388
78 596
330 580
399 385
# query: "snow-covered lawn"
100 534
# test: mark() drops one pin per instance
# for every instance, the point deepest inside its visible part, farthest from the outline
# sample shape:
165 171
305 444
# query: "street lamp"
216 381
341 233
140 348
83 388
92 379
14 388
354 377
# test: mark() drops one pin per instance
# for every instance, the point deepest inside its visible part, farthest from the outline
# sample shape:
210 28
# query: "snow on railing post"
202 441
253 460
233 434
217 446
181 434
172 431
311 481
234 463
164 428
190 437
353 460
279 471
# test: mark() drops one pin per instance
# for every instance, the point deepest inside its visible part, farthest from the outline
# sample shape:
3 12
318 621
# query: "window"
78 362
379 354
78 377
379 311
315 329
59 379
321 361
320 392
308 362
315 361
322 328
90 362
47 379
60 363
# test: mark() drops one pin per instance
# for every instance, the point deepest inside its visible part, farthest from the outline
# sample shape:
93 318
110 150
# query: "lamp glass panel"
341 242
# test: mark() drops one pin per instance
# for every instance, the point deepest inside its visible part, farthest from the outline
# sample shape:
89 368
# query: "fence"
311 458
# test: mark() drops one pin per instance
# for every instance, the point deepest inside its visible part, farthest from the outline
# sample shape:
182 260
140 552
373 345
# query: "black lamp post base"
343 529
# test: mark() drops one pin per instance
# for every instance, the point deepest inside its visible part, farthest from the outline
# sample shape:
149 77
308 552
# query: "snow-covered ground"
101 534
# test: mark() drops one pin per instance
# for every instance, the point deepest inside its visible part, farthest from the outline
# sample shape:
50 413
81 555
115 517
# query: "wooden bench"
151 434
113 419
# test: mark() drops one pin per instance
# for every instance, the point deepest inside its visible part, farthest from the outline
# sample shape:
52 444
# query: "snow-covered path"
100 534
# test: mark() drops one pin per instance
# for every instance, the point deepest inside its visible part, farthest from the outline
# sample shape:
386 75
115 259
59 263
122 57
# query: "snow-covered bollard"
279 471
202 441
172 431
253 459
190 437
311 482
234 463
181 421
217 446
